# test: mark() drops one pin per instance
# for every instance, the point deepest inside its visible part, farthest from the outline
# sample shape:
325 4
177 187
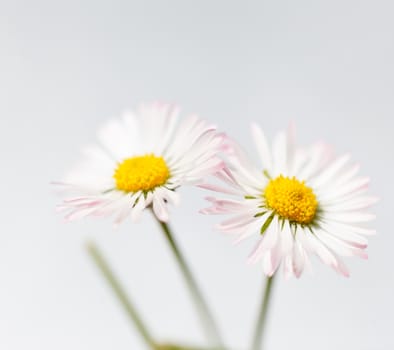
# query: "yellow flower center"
142 173
291 199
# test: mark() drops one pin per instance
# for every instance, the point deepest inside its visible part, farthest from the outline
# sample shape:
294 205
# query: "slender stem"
128 306
260 324
206 318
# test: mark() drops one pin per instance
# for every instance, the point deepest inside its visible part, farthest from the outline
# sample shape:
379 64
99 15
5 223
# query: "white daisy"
140 161
297 201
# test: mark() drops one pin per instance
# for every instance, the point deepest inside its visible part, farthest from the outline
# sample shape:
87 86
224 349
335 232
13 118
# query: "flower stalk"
207 321
260 323
118 290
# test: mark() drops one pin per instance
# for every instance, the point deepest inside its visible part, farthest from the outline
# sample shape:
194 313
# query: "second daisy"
298 202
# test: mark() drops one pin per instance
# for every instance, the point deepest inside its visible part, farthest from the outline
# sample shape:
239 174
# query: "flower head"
140 161
297 202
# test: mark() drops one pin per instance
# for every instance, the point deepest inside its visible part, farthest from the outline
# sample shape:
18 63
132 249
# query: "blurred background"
67 66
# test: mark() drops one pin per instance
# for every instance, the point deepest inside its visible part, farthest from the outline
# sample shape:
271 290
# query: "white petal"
113 136
353 204
227 177
217 188
354 229
299 161
349 217
190 130
276 258
160 209
347 175
279 152
167 131
125 211
286 238
288 266
171 196
251 229
298 259
318 155
326 255
345 191
197 173
330 171
237 223
221 206
262 147
271 261
338 246
267 242
344 234
138 208
320 249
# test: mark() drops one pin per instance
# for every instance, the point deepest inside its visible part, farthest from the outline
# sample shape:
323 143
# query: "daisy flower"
140 161
298 202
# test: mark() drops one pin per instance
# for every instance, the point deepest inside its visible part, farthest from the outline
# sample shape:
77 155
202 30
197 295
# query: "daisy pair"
297 202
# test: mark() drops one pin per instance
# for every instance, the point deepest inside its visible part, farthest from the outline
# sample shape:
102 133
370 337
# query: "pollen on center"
291 199
141 173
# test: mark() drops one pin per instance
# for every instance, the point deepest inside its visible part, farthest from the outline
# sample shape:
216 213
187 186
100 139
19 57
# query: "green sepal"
266 223
249 197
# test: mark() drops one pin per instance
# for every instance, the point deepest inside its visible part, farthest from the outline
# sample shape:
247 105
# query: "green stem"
206 318
260 324
127 305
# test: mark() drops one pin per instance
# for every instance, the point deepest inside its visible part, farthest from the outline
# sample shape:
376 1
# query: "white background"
66 66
